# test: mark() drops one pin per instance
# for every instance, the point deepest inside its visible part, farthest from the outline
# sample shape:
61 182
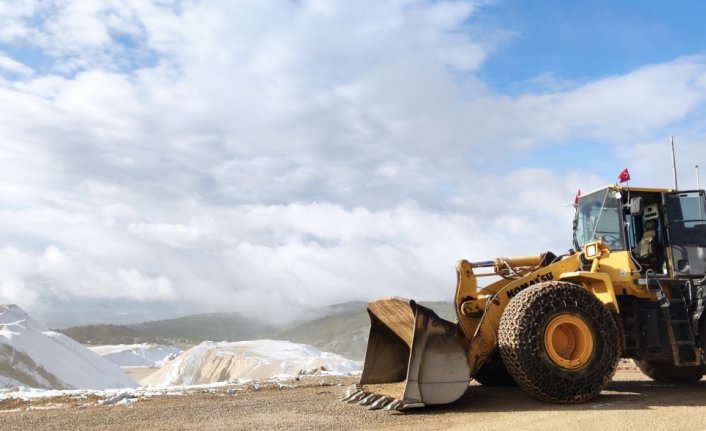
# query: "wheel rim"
568 341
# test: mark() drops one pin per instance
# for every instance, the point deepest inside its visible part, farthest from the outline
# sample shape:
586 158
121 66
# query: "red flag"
576 199
624 176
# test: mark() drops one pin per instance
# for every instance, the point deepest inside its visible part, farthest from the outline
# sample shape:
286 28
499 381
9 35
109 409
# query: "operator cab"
657 226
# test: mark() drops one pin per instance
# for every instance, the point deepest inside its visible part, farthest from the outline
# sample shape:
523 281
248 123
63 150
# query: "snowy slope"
138 355
30 356
260 359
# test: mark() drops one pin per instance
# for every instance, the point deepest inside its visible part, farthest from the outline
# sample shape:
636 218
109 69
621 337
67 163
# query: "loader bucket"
414 358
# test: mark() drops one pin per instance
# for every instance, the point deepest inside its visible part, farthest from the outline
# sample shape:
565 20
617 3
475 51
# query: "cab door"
686 232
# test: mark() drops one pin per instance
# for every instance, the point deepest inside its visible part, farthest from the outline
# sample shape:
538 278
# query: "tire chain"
521 342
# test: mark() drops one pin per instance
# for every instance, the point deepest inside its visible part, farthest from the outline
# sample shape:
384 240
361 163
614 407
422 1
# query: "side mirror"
636 206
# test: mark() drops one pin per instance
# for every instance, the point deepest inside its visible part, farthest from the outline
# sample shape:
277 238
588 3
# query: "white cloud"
36 279
646 99
245 155
11 65
13 19
300 253
173 234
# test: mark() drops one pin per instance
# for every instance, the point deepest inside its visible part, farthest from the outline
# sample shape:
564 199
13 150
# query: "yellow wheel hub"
568 341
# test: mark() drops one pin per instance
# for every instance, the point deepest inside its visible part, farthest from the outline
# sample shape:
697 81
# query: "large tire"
494 373
667 372
559 342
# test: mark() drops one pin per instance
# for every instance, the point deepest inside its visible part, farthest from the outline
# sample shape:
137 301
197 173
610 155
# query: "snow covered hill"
33 357
211 362
138 355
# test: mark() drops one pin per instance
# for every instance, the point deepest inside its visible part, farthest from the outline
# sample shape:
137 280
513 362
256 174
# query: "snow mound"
32 357
138 355
211 362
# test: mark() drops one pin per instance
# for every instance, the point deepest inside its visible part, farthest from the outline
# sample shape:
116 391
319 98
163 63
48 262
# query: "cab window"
598 216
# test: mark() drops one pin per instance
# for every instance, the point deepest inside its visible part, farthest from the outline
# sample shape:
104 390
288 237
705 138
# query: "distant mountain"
182 331
344 307
346 328
345 333
340 328
207 327
114 334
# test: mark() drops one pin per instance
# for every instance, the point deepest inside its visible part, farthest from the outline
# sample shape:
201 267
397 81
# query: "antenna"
674 164
698 181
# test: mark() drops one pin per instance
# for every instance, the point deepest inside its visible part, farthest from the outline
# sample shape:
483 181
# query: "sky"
168 157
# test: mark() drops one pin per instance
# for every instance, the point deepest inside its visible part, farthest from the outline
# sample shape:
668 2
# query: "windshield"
598 217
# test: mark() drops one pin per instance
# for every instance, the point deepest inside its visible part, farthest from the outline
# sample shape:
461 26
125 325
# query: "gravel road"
631 402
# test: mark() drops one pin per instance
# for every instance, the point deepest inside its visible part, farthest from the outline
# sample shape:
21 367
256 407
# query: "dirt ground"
631 402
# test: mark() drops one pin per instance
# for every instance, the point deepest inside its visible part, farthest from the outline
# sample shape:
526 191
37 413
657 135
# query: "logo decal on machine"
538 279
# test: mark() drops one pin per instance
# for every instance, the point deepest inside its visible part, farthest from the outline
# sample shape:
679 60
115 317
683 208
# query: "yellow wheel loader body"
557 325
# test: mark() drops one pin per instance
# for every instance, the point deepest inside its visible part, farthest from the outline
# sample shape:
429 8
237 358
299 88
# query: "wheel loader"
632 286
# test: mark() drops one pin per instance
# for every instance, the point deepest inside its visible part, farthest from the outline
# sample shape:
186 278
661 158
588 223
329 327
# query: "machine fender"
598 283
